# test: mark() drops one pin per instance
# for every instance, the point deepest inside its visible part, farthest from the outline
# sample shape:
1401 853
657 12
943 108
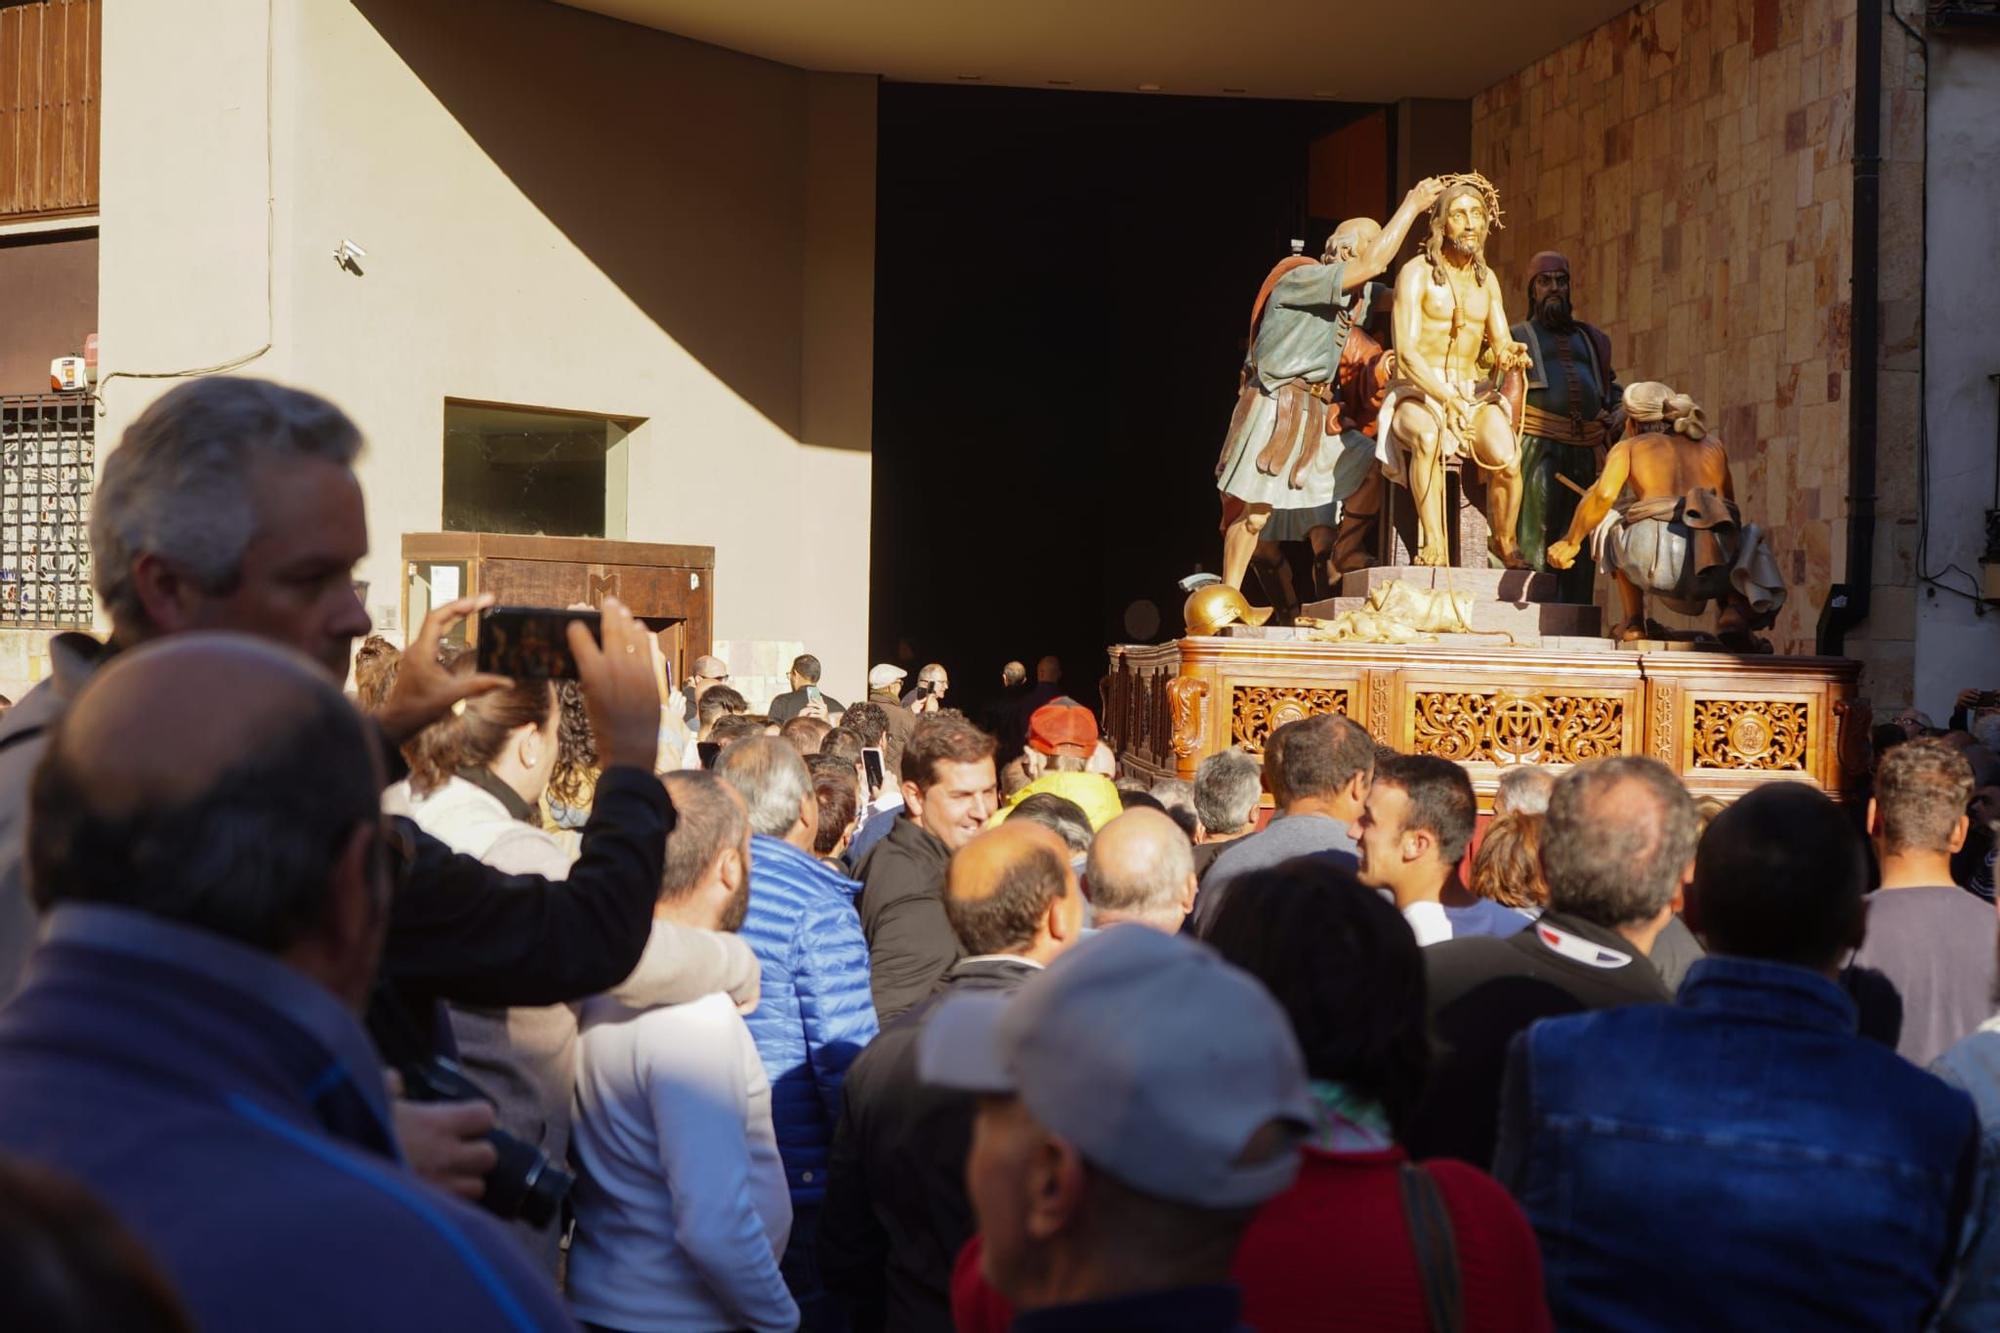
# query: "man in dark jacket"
885 688
896 1212
1743 1157
1617 849
949 792
206 828
232 504
804 676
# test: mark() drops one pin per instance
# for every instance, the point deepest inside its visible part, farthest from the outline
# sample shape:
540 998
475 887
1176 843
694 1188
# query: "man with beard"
1573 411
681 1205
1441 404
1279 474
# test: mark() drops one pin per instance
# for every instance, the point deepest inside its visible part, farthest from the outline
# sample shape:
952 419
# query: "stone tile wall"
1693 158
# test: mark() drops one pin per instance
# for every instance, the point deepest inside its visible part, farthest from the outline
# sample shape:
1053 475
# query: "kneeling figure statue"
1679 534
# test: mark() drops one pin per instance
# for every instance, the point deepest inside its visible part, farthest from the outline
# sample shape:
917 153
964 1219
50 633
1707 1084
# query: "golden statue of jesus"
1444 399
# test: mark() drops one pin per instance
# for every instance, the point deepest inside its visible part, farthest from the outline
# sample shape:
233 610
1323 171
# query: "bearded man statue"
1572 416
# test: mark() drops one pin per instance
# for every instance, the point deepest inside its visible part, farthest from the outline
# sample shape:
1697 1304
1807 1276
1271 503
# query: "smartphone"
531 642
708 750
871 764
812 693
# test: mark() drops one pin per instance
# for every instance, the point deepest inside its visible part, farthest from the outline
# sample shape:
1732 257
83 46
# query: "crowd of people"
466 1002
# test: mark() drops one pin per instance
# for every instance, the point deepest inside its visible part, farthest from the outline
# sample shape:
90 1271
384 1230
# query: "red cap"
1063 727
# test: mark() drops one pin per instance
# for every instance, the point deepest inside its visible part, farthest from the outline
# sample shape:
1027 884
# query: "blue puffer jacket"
817 1012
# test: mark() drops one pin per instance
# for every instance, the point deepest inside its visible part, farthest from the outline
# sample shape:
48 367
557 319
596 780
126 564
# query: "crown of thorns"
1488 192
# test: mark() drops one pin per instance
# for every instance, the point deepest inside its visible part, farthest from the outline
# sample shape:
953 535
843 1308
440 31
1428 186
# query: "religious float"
1504 661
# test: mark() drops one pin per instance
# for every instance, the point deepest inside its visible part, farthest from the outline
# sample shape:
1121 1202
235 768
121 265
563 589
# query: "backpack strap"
1436 1250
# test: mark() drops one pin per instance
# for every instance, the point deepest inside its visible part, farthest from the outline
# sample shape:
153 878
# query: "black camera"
524 1183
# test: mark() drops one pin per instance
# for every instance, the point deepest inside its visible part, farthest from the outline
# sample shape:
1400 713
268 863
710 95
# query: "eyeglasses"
360 587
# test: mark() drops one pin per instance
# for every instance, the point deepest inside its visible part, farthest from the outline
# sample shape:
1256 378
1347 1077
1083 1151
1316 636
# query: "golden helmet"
1211 607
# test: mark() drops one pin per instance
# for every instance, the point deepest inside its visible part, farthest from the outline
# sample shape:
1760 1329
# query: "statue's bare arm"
1375 260
1594 505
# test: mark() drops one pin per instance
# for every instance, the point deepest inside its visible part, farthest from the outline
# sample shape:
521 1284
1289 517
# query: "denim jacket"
1739 1159
1974 1065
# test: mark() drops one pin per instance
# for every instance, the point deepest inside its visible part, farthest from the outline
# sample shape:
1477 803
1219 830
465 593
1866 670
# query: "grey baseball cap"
1151 1055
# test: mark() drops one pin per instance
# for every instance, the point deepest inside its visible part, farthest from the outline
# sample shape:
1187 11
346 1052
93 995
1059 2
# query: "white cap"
1159 1061
882 675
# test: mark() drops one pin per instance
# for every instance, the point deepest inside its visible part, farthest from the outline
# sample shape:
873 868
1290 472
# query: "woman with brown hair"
1507 869
477 778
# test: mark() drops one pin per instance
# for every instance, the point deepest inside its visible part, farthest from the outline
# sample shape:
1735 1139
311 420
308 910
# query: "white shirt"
469 819
681 1204
1428 922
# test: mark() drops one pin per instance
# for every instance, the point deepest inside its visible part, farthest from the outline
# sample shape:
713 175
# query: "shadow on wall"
677 168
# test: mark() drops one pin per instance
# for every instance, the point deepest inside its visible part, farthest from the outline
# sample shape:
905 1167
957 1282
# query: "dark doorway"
1063 284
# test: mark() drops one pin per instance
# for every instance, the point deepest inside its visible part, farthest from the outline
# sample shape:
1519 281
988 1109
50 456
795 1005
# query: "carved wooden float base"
1724 723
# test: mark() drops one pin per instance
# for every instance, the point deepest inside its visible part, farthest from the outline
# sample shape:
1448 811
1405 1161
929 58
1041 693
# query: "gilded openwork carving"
1663 726
1379 722
1517 726
1255 711
1186 695
1751 733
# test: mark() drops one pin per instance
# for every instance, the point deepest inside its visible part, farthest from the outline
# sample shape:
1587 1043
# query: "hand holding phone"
620 694
877 771
424 691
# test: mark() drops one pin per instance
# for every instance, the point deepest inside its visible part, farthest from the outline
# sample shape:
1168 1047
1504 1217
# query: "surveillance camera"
347 253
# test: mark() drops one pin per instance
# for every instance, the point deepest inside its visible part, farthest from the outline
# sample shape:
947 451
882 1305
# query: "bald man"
896 1213
188 1044
1141 870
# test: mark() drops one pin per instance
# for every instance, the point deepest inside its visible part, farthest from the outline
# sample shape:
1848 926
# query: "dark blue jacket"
816 1012
1738 1159
232 1114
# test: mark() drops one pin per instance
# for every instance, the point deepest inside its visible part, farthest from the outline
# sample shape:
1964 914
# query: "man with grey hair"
1618 845
1523 790
927 696
1227 788
172 524
817 1011
232 504
1141 870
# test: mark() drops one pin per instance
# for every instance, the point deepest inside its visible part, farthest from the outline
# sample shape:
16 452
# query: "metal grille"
48 460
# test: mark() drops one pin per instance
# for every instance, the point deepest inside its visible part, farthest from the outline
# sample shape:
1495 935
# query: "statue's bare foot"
1507 553
1629 631
1432 555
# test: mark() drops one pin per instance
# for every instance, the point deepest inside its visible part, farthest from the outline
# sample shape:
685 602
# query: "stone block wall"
1693 158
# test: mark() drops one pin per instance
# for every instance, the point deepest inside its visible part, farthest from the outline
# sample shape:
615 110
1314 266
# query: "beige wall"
1694 160
1957 643
560 211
